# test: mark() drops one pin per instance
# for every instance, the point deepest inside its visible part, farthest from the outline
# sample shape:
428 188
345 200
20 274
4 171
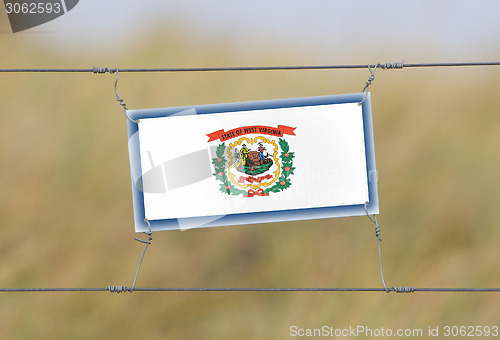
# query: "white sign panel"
253 162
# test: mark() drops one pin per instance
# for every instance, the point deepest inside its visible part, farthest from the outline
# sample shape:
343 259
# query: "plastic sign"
252 162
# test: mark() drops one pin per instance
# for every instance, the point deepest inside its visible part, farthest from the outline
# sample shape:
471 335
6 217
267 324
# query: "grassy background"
66 208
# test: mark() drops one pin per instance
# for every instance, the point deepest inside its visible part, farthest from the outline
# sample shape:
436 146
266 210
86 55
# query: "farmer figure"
261 150
244 154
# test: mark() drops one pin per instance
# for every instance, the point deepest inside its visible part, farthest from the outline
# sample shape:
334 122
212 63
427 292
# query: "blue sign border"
258 217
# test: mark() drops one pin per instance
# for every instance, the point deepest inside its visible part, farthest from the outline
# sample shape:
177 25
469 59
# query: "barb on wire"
118 289
102 70
392 66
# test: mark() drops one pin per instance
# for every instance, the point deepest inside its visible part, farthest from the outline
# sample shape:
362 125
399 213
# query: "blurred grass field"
66 207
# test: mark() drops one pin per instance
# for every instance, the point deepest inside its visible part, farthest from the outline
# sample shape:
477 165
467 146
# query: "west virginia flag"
252 162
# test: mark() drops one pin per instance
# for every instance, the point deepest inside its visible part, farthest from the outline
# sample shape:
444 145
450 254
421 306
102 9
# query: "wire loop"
377 234
147 242
371 78
368 82
102 70
120 100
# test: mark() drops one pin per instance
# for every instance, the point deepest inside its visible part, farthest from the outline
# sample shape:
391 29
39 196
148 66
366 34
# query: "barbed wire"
122 289
397 65
371 67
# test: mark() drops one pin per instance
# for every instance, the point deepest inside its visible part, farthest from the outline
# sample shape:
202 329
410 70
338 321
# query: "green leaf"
220 150
215 161
223 189
274 188
219 177
284 145
235 191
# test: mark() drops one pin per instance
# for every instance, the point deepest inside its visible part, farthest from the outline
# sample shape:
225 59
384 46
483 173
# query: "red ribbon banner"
258 129
252 179
252 193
